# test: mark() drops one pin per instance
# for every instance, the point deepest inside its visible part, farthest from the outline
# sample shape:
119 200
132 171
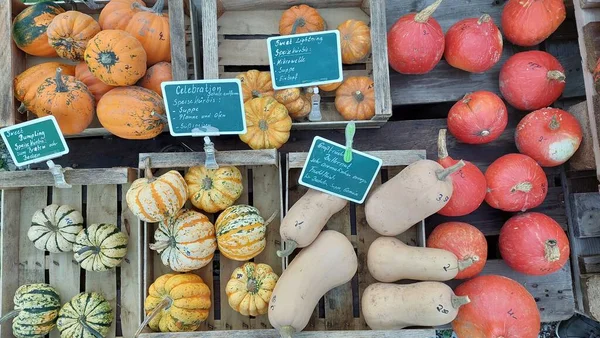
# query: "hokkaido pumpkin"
27 83
153 199
479 117
151 27
185 241
100 247
70 32
300 19
268 123
179 303
95 86
132 113
297 104
55 227
116 58
213 190
156 75
30 26
250 287
88 314
255 84
355 98
355 41
68 100
241 232
116 14
528 23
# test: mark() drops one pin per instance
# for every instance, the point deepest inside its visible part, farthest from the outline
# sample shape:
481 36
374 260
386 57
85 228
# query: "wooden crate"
99 194
15 61
234 34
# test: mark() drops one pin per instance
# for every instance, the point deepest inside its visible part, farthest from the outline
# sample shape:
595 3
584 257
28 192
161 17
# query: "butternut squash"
394 306
418 191
328 262
306 218
390 260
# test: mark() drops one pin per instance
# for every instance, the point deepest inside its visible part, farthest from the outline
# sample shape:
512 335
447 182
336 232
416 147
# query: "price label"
34 141
304 60
204 107
325 170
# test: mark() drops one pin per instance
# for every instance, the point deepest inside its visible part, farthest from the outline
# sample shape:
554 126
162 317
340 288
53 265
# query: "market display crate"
234 39
14 61
99 194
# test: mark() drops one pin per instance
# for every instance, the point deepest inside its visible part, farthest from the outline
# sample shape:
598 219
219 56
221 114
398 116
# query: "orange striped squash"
154 199
185 241
241 232
213 190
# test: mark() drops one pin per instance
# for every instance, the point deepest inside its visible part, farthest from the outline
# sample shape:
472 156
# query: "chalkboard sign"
326 171
304 60
34 141
204 107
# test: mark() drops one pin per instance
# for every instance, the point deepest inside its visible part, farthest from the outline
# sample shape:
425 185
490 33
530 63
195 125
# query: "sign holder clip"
315 110
350 131
209 150
59 175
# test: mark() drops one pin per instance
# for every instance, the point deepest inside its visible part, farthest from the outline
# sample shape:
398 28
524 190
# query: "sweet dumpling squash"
153 199
87 315
55 227
100 247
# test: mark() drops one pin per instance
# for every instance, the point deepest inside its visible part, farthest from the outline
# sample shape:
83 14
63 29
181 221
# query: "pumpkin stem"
10 315
484 132
148 170
556 75
164 304
252 286
554 124
85 249
291 246
551 250
458 301
359 96
263 125
271 218
22 109
157 8
83 322
286 331
300 22
523 187
484 18
443 174
60 85
256 93
442 150
160 245
207 183
465 263
424 15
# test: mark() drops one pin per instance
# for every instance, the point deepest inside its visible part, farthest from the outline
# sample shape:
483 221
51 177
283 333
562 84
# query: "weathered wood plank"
9 280
590 3
583 159
586 213
210 44
33 178
381 73
12 63
407 333
567 53
177 34
235 158
590 285
32 261
589 264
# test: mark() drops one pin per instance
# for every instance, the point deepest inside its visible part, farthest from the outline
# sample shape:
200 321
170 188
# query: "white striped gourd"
100 247
87 315
55 227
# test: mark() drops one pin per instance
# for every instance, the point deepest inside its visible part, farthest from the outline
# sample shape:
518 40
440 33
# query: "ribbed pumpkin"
100 247
250 287
268 123
36 309
355 98
213 190
55 227
117 13
241 232
87 315
95 86
255 84
156 75
184 300
151 27
127 113
29 28
68 100
300 19
355 41
297 104
153 199
27 83
116 58
185 241
69 33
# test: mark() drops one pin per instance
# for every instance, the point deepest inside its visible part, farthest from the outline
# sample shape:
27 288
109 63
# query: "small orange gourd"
255 84
355 98
330 87
300 19
69 33
117 13
96 87
355 40
294 100
268 123
151 27
27 83
156 75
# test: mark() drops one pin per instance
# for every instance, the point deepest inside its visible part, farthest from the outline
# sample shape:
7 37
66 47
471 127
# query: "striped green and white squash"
241 232
36 310
100 247
87 315
55 227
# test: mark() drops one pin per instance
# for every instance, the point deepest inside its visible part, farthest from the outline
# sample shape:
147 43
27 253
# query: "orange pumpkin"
29 28
96 87
127 113
268 123
151 27
330 86
27 83
255 84
156 75
300 19
355 40
68 100
70 32
116 58
355 98
117 13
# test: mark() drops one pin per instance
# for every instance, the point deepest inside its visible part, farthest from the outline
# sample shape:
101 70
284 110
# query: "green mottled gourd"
100 247
87 315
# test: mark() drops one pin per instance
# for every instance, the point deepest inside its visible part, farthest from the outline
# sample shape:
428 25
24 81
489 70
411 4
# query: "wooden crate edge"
234 157
32 178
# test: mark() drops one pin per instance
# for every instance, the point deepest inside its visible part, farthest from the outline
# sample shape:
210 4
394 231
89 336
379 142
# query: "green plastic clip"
350 131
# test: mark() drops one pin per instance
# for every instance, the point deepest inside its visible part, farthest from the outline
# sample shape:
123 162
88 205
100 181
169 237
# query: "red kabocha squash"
499 307
27 83
479 117
469 184
151 27
529 22
416 42
549 135
515 183
463 240
156 75
29 28
96 87
117 13
534 244
532 80
473 45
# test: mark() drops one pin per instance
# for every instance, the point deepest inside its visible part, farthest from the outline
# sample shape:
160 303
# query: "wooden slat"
589 264
12 62
590 285
583 159
32 261
381 75
586 213
177 31
389 157
407 333
102 208
210 45
11 200
347 73
235 158
590 3
33 178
